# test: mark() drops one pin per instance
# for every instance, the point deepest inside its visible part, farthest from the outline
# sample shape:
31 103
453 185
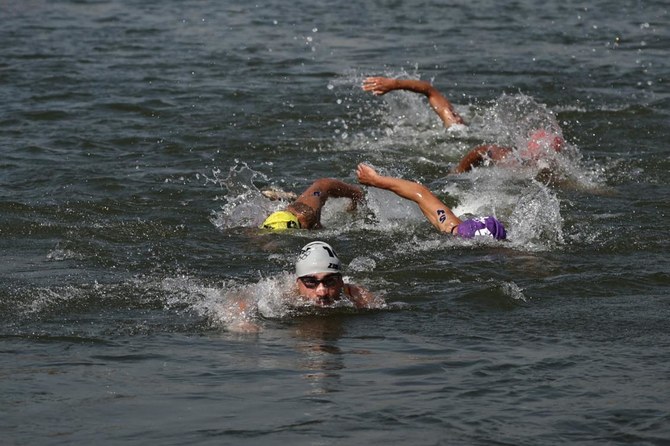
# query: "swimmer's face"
321 289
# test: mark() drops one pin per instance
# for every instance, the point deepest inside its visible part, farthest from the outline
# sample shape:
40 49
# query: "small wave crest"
176 302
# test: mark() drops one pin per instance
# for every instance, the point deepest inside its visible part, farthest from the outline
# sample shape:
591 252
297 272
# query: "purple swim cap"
482 226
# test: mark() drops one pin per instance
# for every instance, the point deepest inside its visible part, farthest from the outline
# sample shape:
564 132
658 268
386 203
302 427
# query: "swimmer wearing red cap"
541 142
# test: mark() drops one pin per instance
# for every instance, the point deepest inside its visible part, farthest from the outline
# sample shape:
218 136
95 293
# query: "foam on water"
536 222
245 205
530 210
511 118
232 305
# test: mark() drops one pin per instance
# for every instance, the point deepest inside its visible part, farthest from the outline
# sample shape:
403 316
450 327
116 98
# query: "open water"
136 136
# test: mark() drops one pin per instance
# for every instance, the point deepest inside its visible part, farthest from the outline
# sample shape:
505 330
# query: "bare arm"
479 154
440 104
325 188
361 297
437 213
307 207
238 314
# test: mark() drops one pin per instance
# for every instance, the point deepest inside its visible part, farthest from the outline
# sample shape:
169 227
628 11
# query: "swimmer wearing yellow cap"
281 220
305 211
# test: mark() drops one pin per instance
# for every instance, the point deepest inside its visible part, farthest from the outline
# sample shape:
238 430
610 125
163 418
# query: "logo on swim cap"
317 257
281 220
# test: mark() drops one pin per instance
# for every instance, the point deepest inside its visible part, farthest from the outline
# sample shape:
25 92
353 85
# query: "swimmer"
320 281
437 213
540 141
305 211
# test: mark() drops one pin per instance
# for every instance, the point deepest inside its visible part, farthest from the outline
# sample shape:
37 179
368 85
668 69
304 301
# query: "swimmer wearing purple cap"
437 213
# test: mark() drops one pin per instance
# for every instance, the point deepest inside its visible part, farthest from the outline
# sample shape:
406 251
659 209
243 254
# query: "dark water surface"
136 136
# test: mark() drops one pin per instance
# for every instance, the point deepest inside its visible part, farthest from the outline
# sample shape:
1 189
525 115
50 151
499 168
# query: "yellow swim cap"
281 220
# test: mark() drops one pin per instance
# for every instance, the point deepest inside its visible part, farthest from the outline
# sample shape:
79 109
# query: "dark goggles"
328 281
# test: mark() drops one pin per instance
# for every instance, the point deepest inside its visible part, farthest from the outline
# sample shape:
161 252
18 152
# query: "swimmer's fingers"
369 84
278 194
377 85
366 174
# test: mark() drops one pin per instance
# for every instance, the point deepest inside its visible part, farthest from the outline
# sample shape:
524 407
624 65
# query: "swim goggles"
329 281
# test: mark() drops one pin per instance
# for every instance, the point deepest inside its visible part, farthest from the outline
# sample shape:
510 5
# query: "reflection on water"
321 358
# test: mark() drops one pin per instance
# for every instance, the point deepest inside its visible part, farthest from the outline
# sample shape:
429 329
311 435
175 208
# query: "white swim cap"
317 257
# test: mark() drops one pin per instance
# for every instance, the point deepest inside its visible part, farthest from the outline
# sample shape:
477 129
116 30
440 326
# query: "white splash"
245 205
241 307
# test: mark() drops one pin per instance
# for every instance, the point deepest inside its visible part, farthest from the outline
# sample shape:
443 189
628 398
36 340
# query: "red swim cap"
542 138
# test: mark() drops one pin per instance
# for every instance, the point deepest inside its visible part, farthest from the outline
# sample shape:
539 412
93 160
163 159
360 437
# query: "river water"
137 135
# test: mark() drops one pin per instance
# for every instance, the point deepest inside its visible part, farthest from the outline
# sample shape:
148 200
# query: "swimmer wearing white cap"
320 279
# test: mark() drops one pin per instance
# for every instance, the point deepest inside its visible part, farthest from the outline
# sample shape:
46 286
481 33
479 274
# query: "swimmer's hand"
357 198
238 316
378 85
367 175
278 194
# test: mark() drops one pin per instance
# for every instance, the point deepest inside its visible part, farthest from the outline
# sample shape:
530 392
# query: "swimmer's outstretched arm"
440 104
437 213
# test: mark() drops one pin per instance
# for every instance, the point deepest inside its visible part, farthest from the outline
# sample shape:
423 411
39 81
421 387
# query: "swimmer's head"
542 141
281 220
317 257
489 226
